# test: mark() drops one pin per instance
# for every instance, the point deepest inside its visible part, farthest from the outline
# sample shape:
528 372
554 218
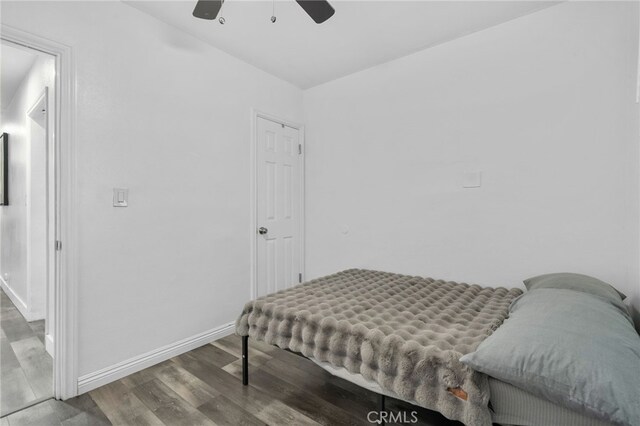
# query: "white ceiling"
360 35
15 63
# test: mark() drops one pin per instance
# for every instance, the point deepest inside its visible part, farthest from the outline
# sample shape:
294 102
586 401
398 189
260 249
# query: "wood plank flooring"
203 387
26 369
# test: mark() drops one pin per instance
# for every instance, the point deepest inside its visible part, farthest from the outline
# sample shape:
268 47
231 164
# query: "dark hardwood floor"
203 387
26 369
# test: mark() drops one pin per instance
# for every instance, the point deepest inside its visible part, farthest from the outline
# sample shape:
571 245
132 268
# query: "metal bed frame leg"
381 403
245 360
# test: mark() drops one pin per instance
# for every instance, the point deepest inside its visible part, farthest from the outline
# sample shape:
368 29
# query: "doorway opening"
27 228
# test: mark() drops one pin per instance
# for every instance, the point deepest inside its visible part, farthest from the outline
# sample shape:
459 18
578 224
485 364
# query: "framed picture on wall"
4 169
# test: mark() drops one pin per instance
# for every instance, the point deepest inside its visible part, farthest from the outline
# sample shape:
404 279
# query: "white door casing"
278 199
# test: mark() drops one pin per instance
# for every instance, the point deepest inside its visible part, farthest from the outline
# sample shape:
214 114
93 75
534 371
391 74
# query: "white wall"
544 106
168 117
27 174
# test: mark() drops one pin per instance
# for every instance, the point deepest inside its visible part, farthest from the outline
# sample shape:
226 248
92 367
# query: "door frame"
65 374
253 191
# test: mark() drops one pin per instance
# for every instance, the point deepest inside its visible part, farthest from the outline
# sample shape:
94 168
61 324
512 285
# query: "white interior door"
279 206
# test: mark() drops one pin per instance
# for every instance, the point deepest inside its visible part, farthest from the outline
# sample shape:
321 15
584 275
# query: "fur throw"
405 333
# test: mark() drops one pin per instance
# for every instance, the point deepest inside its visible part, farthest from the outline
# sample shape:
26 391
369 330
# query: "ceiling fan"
319 10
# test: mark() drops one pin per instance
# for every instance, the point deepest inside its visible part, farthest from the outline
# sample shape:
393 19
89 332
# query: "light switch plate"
472 179
120 197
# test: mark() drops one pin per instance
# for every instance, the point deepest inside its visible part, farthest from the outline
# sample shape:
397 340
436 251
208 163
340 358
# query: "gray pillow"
571 348
577 282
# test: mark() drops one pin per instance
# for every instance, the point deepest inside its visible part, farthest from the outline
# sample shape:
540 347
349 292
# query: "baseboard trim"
122 369
17 301
48 344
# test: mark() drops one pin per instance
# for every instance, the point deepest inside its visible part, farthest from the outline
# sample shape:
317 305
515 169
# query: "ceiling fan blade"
319 10
207 9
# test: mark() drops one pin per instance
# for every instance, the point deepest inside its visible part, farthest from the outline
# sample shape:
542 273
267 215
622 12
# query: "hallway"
26 370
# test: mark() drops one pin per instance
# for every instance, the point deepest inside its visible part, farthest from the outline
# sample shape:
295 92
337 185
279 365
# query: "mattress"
514 406
511 406
404 333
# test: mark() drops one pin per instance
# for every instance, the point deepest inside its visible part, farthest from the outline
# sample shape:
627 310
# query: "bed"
390 329
404 337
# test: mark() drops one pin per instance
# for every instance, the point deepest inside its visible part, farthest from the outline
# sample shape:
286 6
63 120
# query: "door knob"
262 230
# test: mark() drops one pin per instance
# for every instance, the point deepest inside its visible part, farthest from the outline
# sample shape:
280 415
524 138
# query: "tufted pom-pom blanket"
405 333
